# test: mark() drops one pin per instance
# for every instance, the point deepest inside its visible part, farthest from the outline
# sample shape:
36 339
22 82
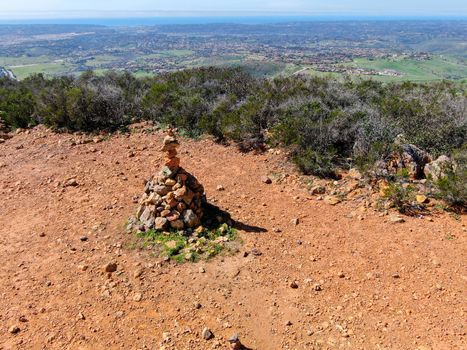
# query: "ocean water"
140 21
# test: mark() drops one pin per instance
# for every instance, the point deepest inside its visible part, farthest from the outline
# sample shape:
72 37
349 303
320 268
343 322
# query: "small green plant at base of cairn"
203 243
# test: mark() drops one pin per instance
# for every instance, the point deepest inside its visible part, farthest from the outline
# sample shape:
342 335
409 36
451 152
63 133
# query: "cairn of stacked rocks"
173 198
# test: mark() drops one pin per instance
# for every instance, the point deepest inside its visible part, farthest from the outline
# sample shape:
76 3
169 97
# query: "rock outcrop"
409 157
173 198
436 169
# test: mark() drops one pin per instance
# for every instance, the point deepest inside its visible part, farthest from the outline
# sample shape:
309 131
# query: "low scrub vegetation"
204 243
326 124
452 187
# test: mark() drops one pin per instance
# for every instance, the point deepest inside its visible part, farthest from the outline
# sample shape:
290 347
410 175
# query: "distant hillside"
6 73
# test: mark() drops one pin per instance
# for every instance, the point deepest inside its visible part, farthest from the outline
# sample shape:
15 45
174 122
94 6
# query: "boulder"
435 170
408 157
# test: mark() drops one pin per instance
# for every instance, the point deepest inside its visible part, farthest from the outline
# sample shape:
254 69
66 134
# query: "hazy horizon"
243 19
90 9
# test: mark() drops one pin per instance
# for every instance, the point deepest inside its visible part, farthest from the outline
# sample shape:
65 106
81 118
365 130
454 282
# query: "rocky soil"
310 275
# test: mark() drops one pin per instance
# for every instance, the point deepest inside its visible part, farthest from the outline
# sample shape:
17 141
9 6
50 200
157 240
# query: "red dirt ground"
383 285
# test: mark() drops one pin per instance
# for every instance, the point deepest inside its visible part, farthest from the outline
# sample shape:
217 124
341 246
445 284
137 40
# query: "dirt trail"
382 285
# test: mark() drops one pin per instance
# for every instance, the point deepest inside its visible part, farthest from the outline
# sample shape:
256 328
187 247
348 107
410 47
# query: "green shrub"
327 123
17 105
401 197
453 186
316 163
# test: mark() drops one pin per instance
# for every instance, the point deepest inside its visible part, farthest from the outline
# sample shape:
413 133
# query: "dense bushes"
89 102
325 122
17 104
453 185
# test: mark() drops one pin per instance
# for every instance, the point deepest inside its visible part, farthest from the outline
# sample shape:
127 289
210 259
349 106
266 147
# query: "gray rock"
256 252
148 187
190 218
140 211
436 169
145 215
266 180
207 334
71 183
162 190
294 285
396 219
149 223
168 173
147 218
234 338
14 329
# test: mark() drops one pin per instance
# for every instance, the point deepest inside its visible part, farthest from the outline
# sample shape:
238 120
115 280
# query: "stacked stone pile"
173 198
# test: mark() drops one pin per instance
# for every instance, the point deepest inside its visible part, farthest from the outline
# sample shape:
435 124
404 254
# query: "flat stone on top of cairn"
173 198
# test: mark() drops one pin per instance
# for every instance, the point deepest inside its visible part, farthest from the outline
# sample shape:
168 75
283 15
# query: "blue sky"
13 9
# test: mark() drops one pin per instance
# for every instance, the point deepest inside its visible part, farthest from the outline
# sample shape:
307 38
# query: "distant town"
378 48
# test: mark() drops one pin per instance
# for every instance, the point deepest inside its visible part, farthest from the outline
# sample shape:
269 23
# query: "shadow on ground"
212 214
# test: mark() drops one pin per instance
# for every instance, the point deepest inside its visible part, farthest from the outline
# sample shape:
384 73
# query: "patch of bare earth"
361 283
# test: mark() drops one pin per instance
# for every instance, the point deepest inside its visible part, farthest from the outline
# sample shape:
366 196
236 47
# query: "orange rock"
164 213
171 153
188 197
173 216
383 187
180 192
173 202
172 162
